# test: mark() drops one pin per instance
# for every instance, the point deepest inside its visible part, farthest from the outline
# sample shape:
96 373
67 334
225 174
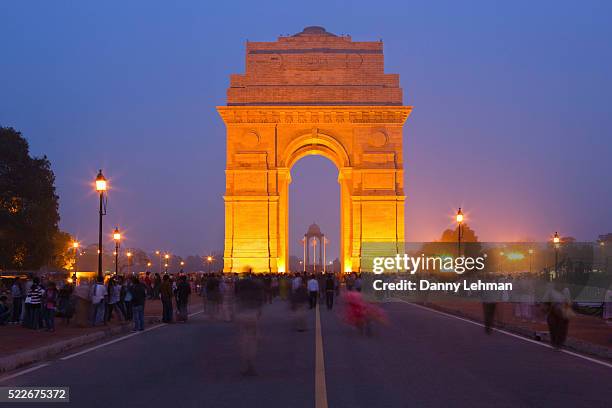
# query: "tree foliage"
62 256
29 213
451 235
447 245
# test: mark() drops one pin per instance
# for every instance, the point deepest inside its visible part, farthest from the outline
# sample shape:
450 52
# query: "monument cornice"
315 114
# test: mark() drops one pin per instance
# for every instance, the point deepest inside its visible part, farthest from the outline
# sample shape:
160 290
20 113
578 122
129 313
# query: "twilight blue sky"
512 114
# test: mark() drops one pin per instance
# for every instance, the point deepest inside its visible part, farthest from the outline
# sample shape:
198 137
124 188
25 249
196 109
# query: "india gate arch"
313 93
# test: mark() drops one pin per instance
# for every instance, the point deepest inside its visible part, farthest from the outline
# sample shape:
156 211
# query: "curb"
21 359
572 344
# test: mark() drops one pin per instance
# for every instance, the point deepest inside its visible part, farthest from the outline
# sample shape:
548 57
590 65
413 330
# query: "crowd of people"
34 303
126 298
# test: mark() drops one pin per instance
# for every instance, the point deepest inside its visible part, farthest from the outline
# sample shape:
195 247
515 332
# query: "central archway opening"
314 197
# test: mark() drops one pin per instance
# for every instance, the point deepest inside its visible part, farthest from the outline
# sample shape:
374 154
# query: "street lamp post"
117 238
182 265
501 262
166 257
304 242
604 258
459 219
101 189
158 253
325 242
209 259
530 259
75 245
129 259
556 241
314 251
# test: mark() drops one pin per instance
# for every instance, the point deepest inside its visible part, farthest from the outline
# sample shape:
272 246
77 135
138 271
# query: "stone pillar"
307 252
321 254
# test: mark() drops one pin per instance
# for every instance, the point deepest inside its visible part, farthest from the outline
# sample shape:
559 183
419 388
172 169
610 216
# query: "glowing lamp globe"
459 216
100 182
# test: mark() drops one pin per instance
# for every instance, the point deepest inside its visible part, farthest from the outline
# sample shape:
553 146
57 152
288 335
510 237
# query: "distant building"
605 238
603 254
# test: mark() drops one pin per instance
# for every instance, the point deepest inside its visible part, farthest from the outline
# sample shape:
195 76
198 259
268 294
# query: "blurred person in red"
361 314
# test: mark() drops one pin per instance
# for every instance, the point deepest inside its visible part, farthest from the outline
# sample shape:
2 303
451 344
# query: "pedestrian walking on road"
213 296
267 282
157 281
358 283
165 291
296 282
313 291
489 306
284 288
329 291
228 296
183 290
559 311
337 286
299 299
350 281
361 314
275 286
249 299
148 283
139 296
488 310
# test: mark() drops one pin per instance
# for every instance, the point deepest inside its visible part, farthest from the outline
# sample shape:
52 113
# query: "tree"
63 252
28 205
447 245
451 235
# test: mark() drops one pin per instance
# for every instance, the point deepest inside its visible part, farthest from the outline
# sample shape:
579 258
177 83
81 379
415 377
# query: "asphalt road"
421 358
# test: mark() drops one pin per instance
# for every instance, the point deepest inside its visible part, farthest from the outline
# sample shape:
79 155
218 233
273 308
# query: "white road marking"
157 326
29 370
593 360
196 313
109 343
320 387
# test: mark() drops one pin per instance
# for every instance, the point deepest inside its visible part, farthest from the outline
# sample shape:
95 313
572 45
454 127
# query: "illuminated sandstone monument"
312 93
312 238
